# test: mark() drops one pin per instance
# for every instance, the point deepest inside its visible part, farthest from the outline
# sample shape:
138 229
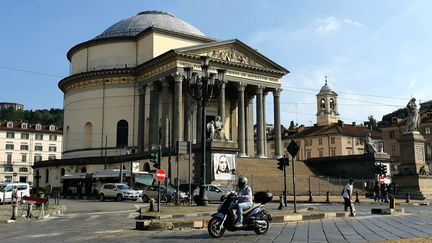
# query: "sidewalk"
6 212
172 217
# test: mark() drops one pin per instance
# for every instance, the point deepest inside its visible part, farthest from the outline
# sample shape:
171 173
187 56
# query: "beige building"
330 136
15 106
127 90
22 144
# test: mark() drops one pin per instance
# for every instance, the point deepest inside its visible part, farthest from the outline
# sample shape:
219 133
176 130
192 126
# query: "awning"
145 180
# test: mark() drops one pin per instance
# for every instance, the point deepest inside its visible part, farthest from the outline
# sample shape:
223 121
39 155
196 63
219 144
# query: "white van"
6 191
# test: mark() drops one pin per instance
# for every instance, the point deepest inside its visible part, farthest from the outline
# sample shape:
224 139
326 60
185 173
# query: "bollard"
42 213
58 197
29 211
21 198
392 202
14 211
310 197
407 197
152 205
357 198
4 198
280 202
327 197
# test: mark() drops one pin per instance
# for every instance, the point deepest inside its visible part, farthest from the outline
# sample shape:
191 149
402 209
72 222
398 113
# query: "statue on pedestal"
216 129
413 120
372 146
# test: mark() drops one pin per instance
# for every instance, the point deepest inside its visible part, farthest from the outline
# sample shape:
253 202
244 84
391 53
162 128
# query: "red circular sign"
15 174
381 179
160 175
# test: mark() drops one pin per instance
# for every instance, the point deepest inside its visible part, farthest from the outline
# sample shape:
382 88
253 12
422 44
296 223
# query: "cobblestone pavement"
119 226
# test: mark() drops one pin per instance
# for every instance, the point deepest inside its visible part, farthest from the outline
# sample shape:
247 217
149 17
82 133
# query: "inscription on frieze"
419 153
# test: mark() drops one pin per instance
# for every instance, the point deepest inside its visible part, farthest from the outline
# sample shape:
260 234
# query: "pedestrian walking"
347 195
376 192
384 193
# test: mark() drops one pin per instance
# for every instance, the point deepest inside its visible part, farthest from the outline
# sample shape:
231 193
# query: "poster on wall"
224 166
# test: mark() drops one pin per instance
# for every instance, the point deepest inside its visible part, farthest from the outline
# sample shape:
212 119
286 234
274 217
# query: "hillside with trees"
48 117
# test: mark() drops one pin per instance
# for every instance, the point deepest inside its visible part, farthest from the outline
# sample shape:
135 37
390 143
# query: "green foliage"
49 117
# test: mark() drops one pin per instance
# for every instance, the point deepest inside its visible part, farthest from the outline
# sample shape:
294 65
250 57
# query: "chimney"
354 124
340 123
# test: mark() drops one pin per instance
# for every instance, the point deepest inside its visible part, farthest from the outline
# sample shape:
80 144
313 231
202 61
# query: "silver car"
118 191
215 193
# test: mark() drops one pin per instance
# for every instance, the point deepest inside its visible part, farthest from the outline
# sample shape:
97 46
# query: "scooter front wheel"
215 227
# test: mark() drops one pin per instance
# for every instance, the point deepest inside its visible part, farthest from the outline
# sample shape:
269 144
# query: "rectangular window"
348 140
54 148
10 135
320 141
9 158
37 158
9 146
392 134
53 137
333 152
8 178
23 169
39 136
320 152
332 140
427 130
25 136
51 156
24 147
23 157
8 169
38 148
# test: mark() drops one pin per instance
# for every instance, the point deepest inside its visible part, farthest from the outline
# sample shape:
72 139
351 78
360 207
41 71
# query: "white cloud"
331 24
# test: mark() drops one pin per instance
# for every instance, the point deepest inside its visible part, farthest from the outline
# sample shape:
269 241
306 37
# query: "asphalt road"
92 221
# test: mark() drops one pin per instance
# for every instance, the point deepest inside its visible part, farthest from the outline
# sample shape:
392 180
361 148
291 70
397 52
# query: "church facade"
127 94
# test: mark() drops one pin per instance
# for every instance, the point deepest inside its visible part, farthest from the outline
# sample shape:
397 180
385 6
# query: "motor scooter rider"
244 196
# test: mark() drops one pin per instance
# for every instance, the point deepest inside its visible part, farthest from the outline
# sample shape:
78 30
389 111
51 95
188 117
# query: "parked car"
215 193
118 191
6 191
166 194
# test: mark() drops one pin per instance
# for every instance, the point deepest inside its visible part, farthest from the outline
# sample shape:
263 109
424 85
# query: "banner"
224 166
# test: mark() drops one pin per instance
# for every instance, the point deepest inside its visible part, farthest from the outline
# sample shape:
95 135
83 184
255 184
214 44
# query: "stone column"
277 122
178 108
187 118
165 111
260 121
250 133
154 115
241 120
221 105
141 118
264 126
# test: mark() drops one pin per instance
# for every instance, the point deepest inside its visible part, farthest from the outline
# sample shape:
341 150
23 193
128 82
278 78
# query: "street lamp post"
204 88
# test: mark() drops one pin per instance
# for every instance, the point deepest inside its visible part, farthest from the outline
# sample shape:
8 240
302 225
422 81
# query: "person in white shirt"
347 195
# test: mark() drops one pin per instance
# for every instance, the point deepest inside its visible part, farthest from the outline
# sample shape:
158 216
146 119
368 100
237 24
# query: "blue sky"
376 53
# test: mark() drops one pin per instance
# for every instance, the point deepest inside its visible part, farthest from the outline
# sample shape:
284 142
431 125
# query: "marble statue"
216 129
413 120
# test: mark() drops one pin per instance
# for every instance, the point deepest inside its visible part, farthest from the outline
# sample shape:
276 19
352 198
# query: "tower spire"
325 80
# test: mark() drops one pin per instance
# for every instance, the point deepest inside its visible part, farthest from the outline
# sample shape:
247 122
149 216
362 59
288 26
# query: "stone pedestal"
412 153
228 150
412 158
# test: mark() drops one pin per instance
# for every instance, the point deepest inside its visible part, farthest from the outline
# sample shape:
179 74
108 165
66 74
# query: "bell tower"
327 106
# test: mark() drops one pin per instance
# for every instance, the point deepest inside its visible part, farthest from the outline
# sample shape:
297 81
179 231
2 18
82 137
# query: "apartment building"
22 144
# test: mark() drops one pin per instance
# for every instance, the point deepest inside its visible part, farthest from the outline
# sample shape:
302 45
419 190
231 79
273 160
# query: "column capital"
260 90
164 82
177 76
276 91
153 86
241 87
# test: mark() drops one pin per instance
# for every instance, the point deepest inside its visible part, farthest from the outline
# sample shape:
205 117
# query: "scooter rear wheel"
215 228
262 229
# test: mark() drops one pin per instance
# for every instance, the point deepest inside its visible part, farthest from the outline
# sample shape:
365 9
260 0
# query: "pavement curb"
158 225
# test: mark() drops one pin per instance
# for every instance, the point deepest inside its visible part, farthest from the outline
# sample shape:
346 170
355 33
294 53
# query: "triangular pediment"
233 51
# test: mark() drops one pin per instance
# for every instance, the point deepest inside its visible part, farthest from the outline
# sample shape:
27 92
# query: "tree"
373 123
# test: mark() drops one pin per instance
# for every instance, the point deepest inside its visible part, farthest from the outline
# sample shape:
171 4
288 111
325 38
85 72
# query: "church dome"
326 89
134 25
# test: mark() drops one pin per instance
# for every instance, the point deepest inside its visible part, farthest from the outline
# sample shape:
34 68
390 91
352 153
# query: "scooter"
255 218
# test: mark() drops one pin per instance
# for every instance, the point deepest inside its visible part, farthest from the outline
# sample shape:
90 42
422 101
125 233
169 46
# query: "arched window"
62 172
322 104
83 170
146 167
332 104
88 133
122 133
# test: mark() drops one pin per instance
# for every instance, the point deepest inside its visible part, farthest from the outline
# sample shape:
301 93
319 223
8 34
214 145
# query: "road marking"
108 231
43 235
112 212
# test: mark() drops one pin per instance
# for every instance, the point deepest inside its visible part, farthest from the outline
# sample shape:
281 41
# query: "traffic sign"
160 175
381 179
293 148
15 174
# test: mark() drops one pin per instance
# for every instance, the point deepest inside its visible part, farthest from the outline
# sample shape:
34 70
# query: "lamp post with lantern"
204 88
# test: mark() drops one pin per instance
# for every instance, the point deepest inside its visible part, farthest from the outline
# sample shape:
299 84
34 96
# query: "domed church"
128 94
